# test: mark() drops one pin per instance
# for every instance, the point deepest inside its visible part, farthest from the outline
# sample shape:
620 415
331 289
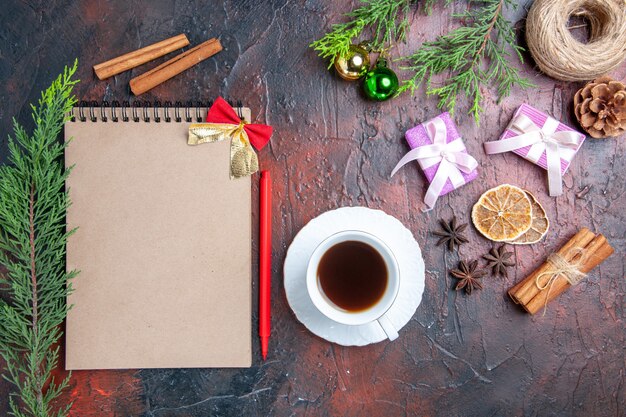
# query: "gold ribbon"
560 267
243 159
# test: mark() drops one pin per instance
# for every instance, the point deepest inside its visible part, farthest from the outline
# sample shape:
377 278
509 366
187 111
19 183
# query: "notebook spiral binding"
149 112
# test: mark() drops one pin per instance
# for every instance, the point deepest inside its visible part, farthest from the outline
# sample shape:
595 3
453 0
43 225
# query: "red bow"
222 112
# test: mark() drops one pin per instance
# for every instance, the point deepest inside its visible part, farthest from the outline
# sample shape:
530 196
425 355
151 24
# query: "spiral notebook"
163 243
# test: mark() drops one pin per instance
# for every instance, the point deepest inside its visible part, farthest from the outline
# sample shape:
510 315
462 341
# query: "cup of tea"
353 278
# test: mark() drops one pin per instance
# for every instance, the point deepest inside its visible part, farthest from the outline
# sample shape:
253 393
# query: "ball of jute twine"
559 55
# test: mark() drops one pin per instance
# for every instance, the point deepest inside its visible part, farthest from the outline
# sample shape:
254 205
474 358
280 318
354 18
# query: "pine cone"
600 107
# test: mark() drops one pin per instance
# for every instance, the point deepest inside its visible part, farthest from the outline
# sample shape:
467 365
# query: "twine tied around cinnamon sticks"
583 252
561 268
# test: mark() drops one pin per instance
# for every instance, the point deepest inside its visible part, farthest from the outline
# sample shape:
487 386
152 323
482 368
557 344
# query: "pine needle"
485 41
32 249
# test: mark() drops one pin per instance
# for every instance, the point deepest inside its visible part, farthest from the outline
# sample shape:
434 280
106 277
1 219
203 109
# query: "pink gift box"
539 118
418 136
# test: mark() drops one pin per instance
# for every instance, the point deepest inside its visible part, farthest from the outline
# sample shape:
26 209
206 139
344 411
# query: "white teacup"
374 313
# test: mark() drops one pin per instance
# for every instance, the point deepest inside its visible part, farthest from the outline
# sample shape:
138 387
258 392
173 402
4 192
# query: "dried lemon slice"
503 213
539 226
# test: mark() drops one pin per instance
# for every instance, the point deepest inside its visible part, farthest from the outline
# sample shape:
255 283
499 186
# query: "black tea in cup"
353 275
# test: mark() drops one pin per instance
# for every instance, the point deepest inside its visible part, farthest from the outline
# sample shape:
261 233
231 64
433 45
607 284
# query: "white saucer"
388 229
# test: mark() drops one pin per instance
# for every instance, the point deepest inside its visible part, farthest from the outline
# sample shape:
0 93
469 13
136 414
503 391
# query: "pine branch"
464 52
32 248
387 19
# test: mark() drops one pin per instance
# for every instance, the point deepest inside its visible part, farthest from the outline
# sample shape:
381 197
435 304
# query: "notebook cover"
163 247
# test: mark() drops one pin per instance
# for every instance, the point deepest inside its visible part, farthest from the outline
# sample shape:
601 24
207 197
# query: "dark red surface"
459 356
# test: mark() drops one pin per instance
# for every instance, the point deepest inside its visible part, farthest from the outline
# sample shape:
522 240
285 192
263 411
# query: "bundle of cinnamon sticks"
577 257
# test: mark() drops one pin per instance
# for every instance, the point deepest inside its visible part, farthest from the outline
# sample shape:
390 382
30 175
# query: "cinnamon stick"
174 66
593 251
526 290
140 56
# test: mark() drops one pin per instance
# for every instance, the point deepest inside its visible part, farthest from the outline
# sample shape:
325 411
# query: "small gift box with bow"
541 139
222 123
439 149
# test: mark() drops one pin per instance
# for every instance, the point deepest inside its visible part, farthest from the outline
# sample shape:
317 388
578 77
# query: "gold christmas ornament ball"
354 65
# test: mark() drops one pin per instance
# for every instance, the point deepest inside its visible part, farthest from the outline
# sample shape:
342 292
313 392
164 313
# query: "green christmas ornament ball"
381 83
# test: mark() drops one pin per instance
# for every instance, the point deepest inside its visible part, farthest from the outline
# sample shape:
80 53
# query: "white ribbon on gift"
540 139
450 156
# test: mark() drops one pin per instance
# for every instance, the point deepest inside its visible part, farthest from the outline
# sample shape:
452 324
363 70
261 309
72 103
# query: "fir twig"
388 20
483 42
32 249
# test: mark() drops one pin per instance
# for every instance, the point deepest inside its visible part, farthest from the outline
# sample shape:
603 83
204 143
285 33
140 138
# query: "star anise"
468 274
498 259
451 233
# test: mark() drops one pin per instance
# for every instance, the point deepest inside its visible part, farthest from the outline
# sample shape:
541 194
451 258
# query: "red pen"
265 260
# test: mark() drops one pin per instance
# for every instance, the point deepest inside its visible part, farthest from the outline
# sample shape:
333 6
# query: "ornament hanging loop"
368 45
